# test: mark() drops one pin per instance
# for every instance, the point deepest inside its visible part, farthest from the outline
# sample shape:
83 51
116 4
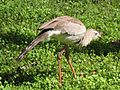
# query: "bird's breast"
53 32
75 38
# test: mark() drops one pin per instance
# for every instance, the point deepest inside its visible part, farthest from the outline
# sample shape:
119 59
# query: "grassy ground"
99 63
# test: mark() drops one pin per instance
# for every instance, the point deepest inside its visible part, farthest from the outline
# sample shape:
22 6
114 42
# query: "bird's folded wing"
65 24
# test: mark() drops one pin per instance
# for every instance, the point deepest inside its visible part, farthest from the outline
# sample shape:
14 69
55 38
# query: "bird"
71 29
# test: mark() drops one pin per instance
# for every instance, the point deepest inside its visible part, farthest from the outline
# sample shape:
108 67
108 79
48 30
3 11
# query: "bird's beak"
100 34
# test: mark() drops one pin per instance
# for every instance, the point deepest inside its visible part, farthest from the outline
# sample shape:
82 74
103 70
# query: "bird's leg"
69 61
64 49
59 65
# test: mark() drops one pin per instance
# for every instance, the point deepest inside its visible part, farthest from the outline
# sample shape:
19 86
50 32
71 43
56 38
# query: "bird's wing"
72 28
53 23
66 24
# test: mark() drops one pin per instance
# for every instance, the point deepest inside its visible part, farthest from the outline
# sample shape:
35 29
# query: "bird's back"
66 25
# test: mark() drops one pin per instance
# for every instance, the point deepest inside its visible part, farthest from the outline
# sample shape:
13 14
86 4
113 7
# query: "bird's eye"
96 33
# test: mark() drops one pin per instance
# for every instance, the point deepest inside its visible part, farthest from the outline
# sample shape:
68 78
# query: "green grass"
19 20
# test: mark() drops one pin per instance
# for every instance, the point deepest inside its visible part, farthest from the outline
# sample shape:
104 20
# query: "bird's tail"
40 38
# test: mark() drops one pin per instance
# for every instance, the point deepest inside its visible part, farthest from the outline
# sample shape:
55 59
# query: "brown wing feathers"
33 44
57 22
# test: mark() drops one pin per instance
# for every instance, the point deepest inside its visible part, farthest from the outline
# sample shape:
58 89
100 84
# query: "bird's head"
90 35
94 34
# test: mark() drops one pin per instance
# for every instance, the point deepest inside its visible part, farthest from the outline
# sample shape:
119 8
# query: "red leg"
64 49
59 65
69 61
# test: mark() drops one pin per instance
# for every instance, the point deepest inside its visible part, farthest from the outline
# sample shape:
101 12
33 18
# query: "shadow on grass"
17 80
20 76
15 38
99 48
102 48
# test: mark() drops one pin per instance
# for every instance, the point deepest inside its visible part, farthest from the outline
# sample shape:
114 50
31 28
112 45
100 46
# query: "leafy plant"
97 65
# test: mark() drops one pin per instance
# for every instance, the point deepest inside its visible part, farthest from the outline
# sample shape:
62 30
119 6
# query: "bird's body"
74 31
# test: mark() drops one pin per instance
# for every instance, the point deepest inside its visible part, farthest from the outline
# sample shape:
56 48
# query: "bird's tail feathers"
39 39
